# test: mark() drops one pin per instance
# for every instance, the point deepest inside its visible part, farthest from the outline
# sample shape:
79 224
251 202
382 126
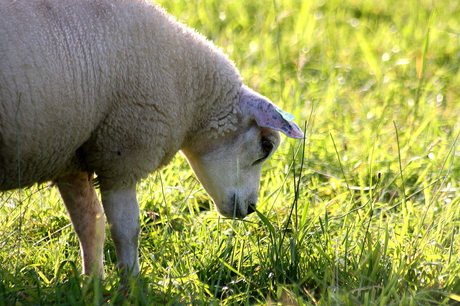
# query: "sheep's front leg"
87 217
122 212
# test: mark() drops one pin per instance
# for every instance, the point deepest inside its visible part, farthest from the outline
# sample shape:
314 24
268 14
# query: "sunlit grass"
365 212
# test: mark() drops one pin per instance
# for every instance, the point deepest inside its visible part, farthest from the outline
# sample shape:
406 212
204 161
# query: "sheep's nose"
251 208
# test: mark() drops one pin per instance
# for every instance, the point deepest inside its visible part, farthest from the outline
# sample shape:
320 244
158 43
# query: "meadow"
365 211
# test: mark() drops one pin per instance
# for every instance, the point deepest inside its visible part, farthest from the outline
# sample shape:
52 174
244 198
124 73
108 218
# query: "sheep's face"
229 167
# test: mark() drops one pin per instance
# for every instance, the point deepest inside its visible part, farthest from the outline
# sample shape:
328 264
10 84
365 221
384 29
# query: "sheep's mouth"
237 211
251 208
237 208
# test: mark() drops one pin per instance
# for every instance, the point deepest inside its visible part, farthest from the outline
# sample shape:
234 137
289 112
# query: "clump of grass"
364 212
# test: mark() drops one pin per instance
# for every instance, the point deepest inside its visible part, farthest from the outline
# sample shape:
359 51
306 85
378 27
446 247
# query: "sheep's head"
229 166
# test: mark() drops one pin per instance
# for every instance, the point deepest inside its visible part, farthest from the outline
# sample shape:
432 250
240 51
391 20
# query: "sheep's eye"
267 147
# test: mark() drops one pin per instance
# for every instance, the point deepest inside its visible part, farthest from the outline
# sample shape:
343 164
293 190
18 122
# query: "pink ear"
266 114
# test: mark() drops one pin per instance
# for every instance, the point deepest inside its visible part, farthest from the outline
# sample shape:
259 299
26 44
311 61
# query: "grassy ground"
365 212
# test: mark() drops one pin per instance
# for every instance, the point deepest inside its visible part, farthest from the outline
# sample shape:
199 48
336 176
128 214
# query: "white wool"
114 86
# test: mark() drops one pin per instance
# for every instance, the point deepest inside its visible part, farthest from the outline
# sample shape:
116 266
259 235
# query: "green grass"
365 212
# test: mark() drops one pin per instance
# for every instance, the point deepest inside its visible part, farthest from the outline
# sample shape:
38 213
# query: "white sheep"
117 88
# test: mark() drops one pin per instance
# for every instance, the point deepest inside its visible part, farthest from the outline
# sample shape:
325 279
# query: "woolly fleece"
115 87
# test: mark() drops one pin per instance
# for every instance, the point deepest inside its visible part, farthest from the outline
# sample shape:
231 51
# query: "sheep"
113 89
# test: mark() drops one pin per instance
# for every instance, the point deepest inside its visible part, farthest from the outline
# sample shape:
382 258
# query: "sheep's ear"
268 114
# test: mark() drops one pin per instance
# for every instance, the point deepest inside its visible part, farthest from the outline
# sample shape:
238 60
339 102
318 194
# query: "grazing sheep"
116 88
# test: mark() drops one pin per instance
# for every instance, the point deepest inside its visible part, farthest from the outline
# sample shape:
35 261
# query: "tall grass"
364 212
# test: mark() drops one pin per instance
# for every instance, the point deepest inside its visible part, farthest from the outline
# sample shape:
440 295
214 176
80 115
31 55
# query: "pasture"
365 211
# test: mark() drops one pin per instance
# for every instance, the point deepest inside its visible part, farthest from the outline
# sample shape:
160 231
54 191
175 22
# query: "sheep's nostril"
251 208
